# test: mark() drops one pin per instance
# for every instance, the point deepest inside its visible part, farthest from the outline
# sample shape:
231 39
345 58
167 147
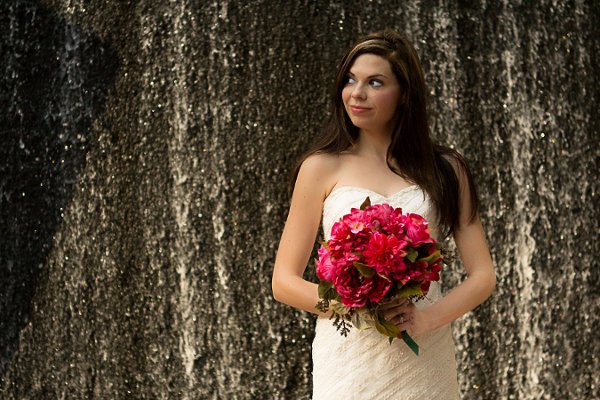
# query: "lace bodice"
343 198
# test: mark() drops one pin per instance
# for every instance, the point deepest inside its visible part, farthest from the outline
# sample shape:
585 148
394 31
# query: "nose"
358 91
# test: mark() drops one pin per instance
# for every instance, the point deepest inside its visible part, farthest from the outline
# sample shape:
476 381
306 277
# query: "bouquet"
375 254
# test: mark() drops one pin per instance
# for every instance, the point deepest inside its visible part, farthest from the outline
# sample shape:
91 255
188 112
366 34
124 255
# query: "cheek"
388 100
346 92
387 105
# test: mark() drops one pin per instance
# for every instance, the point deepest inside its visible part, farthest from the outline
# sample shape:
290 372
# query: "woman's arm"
480 282
299 234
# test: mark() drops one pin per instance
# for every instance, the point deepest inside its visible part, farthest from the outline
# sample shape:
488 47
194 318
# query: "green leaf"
322 306
412 255
364 269
340 308
410 289
386 328
327 291
358 320
324 286
430 258
365 203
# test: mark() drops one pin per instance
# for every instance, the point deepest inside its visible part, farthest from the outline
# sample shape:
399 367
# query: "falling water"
145 154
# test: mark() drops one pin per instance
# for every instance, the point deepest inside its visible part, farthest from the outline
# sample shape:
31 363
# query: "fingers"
407 326
406 317
404 322
402 318
395 314
393 304
403 310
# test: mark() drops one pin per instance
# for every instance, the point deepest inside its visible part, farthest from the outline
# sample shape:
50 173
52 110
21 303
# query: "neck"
373 144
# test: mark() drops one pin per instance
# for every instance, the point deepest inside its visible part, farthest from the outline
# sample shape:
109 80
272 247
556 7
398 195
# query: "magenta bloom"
385 253
356 290
374 252
416 229
324 265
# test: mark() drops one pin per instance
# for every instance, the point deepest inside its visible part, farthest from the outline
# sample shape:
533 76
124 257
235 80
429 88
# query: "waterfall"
146 150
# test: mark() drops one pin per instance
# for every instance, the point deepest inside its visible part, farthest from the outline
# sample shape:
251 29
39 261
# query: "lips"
359 109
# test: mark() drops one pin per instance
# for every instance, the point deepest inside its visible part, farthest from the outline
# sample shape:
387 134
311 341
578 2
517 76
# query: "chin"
361 124
358 122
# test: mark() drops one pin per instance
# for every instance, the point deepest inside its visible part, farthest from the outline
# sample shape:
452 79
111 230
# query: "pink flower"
394 225
392 249
356 290
385 253
324 265
416 229
341 233
378 215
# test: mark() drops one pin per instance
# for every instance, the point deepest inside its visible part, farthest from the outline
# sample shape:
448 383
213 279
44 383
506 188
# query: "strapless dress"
364 365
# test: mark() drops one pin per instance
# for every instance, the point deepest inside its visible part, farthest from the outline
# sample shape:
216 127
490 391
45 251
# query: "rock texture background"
145 152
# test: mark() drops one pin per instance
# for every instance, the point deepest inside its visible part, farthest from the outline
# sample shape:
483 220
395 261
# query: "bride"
377 144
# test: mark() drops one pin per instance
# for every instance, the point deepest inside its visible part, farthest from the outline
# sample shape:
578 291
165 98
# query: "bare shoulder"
320 171
322 161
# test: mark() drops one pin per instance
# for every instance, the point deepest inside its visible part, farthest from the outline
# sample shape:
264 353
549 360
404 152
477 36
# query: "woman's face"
371 93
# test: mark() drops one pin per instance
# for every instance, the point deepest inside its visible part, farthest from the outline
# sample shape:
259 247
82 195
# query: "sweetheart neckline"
350 187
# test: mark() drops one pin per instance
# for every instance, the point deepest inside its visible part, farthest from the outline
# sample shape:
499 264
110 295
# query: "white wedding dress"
364 365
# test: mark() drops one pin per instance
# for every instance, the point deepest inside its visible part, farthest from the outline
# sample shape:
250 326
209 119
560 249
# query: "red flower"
416 229
374 249
356 290
385 253
324 265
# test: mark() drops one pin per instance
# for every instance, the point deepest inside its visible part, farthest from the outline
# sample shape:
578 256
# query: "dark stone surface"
53 84
146 148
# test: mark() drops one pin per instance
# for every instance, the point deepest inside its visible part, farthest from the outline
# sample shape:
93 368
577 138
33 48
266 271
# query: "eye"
375 83
350 80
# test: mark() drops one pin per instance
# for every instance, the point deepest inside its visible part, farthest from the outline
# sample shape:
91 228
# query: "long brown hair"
431 166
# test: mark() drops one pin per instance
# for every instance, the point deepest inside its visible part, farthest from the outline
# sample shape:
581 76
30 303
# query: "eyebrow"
370 76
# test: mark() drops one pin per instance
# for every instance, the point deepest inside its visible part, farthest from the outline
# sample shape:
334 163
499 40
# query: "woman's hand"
407 317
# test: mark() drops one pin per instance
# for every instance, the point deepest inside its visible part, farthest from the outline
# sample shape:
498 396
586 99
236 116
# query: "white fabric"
364 365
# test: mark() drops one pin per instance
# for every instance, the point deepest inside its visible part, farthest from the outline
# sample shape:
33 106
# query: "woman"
377 144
